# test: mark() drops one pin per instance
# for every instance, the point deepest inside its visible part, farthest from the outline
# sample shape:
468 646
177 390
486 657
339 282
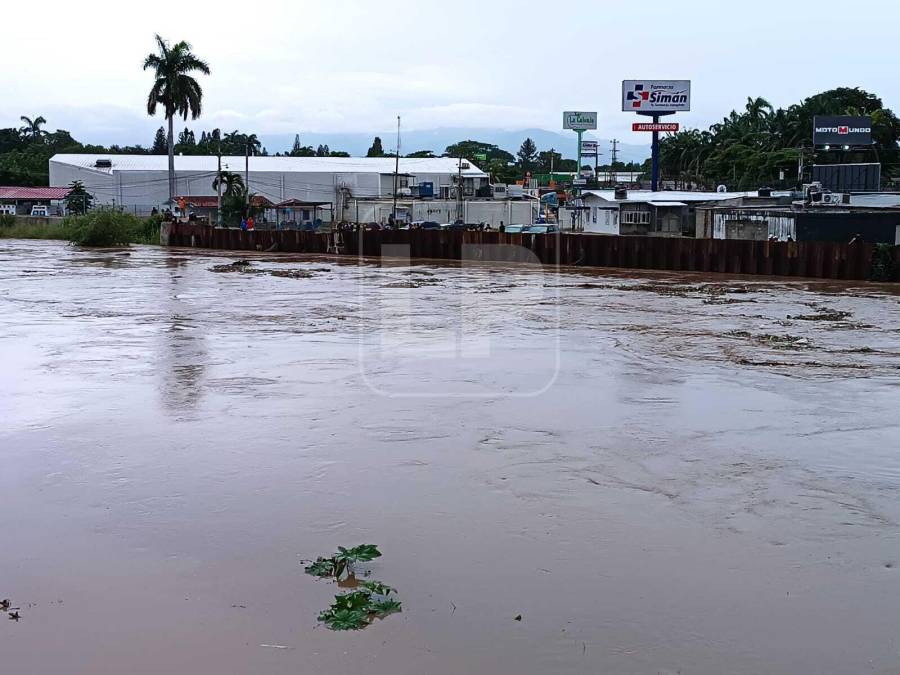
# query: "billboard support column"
654 180
654 177
578 168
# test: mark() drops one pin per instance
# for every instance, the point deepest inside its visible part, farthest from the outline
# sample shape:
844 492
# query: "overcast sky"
353 65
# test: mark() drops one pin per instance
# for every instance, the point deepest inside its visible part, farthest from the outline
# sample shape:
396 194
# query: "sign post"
656 98
579 122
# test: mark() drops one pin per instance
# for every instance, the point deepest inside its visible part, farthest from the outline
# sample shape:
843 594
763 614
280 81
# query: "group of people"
247 223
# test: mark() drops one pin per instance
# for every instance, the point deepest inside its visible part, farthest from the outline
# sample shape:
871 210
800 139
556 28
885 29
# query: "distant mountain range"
437 140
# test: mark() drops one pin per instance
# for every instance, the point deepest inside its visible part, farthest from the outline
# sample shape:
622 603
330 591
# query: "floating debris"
368 601
822 315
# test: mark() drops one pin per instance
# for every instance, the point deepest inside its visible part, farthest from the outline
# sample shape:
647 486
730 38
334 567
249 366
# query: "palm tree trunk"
171 143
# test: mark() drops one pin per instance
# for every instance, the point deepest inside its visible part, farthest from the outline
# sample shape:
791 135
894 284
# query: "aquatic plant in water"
370 599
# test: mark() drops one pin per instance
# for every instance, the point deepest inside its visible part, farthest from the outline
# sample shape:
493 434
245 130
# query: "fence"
821 260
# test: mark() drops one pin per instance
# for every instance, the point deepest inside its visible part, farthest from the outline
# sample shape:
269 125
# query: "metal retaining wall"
821 260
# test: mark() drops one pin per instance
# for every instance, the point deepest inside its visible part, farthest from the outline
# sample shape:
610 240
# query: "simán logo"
640 94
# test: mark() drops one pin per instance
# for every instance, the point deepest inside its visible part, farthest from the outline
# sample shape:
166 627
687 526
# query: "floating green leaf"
322 567
361 553
382 608
345 619
377 587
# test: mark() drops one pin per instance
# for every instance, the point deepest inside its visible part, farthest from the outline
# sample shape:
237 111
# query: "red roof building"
22 194
204 202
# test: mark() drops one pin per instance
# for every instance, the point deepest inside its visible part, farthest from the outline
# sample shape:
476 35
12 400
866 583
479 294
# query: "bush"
103 227
882 263
7 220
147 231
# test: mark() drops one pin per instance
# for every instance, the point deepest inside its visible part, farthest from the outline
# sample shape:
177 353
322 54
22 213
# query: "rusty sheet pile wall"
823 260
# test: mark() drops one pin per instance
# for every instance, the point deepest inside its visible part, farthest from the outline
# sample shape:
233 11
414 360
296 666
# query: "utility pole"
247 172
219 189
615 153
459 190
396 171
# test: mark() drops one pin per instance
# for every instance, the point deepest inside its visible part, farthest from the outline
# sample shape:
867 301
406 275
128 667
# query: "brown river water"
659 473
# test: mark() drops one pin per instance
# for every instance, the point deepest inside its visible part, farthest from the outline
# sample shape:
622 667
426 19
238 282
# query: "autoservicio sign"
656 96
842 130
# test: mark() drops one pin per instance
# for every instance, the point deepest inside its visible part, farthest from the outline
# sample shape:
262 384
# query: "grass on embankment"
98 227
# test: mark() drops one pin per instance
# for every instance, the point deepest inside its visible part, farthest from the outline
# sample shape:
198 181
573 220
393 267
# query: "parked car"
515 229
540 229
425 225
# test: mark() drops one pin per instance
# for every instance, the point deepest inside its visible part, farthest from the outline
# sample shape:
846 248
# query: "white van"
40 210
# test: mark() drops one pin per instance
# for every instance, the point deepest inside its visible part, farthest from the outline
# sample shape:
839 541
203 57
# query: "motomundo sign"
842 130
656 96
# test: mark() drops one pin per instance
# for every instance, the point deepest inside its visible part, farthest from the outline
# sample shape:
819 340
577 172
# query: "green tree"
232 183
174 89
527 155
32 129
78 200
376 150
475 150
187 139
323 151
159 146
421 154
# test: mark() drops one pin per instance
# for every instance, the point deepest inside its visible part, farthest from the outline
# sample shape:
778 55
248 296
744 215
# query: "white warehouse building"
139 183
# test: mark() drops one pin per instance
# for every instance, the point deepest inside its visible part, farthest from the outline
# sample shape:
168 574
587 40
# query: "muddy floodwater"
656 473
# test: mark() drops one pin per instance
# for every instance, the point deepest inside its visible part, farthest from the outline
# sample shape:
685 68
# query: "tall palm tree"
32 128
232 183
253 144
174 89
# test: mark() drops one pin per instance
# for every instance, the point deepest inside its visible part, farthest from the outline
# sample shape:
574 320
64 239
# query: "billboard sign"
842 130
589 148
656 96
579 121
655 126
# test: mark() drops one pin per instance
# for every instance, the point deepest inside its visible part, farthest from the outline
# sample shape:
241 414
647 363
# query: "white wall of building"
602 220
140 182
444 211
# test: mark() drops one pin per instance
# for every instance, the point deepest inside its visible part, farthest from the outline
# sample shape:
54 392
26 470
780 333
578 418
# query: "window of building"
635 217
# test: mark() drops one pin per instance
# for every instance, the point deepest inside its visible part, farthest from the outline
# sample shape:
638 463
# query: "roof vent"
103 164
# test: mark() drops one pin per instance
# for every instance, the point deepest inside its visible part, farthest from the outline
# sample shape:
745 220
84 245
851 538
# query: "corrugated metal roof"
18 192
876 200
378 165
670 195
210 202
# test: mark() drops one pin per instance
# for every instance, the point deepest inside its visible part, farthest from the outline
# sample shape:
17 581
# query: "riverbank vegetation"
99 227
